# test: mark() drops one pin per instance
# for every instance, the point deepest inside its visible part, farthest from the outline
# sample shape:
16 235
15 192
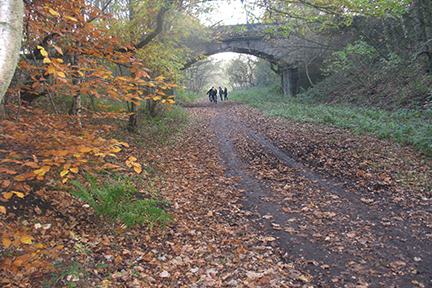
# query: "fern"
113 201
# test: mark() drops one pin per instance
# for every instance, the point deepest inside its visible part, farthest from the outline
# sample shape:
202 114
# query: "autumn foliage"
67 53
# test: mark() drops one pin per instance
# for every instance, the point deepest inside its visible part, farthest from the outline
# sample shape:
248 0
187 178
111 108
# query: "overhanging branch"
159 27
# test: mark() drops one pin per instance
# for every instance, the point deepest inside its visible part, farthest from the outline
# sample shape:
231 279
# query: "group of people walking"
223 94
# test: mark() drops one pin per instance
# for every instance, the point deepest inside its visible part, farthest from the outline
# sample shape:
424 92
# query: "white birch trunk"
11 21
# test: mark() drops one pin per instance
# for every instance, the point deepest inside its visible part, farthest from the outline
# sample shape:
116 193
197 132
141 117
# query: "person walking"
214 94
210 93
221 93
225 92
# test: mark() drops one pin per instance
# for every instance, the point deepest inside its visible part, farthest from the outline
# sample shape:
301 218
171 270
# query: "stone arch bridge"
256 40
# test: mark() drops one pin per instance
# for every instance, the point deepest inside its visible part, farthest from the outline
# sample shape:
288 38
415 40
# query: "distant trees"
248 71
240 72
200 76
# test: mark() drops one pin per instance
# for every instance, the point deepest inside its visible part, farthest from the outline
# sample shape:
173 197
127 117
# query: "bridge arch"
249 39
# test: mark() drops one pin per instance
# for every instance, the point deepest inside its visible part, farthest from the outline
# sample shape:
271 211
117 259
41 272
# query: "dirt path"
255 200
335 201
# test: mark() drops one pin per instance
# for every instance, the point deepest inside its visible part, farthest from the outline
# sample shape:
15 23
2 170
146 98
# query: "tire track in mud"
339 238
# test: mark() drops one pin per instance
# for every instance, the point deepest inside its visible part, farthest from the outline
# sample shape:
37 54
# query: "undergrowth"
187 96
117 200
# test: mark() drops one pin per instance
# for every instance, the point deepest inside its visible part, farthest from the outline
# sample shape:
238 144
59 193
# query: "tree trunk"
11 22
76 106
132 125
423 29
151 107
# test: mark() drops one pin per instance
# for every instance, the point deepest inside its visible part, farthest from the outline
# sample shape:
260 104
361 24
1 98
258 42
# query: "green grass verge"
409 127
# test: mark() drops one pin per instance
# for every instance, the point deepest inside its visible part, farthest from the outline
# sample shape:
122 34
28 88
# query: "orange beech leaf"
16 242
70 18
115 150
132 158
7 171
51 69
32 164
58 49
6 184
8 195
53 12
64 173
45 168
21 178
111 166
137 168
40 172
17 262
39 246
85 149
26 239
7 262
3 209
6 241
42 51
74 170
22 187
19 194
66 166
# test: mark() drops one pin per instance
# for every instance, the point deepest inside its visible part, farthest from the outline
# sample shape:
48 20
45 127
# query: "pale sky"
227 13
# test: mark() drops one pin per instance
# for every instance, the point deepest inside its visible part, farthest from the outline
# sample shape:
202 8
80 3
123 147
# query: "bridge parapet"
244 31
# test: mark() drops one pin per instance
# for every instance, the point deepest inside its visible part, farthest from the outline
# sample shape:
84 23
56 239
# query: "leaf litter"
257 201
356 210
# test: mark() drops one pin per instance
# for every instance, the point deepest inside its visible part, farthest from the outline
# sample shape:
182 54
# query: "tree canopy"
72 51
